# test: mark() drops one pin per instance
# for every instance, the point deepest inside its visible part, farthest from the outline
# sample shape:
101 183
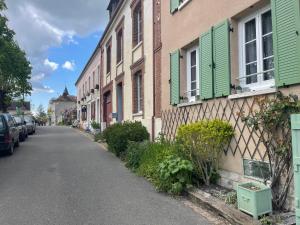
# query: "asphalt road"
60 177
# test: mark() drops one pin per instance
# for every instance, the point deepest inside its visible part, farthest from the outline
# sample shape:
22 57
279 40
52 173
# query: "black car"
23 134
9 134
30 124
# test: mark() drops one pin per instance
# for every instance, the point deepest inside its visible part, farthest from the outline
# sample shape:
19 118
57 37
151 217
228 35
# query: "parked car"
30 124
21 123
9 134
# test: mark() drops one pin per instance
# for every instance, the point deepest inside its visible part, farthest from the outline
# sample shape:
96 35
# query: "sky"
58 37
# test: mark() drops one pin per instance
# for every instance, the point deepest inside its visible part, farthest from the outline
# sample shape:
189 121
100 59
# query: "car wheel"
18 143
11 149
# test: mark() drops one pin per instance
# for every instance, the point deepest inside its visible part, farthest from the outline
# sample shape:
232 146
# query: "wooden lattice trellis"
247 141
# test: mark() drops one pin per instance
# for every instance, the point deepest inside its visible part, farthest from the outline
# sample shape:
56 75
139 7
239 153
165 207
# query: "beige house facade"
217 59
88 92
127 83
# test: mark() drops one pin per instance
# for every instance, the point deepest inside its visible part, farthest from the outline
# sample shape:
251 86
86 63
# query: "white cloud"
38 77
68 65
42 24
40 88
52 65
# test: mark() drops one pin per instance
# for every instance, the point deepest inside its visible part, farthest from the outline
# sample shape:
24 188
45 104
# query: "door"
120 102
295 120
107 108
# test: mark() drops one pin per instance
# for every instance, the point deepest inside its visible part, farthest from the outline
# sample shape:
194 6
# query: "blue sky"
77 53
58 38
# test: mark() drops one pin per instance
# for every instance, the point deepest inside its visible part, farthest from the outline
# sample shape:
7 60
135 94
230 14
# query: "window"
98 74
256 169
137 24
86 87
257 57
108 59
192 74
1 124
89 83
83 89
93 79
119 46
138 99
93 111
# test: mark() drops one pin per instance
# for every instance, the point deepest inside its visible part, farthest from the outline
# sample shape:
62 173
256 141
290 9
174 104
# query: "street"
60 177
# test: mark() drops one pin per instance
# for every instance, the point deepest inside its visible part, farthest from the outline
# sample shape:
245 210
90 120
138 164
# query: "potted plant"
239 89
254 199
96 127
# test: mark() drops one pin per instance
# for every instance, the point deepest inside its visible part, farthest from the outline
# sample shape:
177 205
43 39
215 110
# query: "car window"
9 120
1 123
18 120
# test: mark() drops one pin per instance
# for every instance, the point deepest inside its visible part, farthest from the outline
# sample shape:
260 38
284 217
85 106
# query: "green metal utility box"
295 123
254 199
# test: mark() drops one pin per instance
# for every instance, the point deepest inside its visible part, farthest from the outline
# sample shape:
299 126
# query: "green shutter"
221 59
175 77
295 123
206 66
285 19
174 5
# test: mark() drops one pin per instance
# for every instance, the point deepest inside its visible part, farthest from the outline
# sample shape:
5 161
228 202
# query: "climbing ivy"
273 120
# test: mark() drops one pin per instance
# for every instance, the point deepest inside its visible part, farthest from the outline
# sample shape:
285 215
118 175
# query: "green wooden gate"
295 120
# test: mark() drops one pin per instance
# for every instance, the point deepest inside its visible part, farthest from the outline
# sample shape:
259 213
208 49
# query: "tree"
41 114
15 69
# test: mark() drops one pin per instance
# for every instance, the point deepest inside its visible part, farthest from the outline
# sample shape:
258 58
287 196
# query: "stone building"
58 106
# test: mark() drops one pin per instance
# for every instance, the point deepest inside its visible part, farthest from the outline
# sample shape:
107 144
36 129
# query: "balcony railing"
255 81
190 96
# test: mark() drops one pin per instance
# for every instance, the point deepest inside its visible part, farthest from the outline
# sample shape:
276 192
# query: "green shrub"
231 198
266 220
203 143
98 137
134 154
174 174
118 135
95 125
154 154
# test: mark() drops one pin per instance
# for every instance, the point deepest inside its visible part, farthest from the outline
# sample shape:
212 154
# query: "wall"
192 20
91 67
131 57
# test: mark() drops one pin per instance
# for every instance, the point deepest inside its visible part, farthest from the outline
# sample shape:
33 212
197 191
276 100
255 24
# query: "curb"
212 203
90 137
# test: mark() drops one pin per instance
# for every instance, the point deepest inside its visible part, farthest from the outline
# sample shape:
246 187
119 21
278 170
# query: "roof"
23 106
65 97
101 39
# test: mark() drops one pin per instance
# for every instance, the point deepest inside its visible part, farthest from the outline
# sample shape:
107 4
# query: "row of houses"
170 62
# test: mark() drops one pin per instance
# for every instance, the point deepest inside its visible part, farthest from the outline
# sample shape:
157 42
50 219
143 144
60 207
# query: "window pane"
251 69
193 58
193 74
250 30
193 87
268 65
251 52
266 23
268 45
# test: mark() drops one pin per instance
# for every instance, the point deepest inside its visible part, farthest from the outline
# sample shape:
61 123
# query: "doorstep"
231 214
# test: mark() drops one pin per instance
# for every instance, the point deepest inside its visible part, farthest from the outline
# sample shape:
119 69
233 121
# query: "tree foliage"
203 144
273 120
15 69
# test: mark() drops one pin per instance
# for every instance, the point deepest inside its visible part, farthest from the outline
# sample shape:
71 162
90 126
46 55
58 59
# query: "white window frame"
139 94
189 75
260 84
